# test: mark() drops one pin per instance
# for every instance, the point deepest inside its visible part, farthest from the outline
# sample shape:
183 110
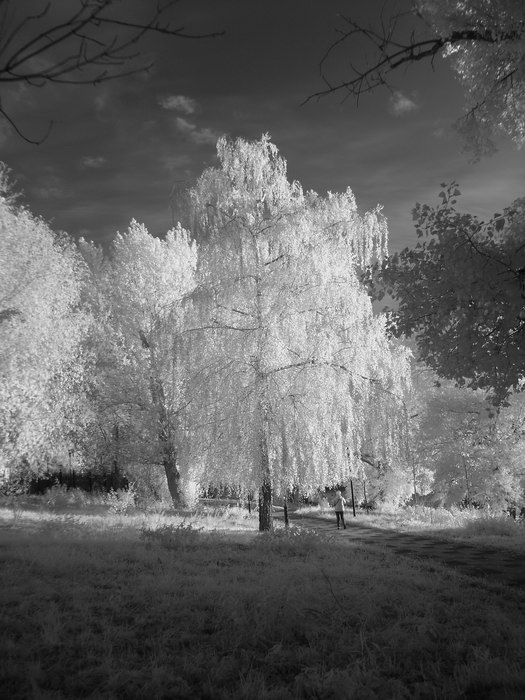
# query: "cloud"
52 187
175 162
93 161
400 104
196 135
179 103
101 99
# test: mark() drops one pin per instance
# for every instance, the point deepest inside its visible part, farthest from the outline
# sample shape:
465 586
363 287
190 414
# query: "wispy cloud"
102 98
175 162
52 187
192 132
93 161
179 103
400 104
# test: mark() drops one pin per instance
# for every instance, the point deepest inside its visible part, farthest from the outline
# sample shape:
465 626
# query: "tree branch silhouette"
90 44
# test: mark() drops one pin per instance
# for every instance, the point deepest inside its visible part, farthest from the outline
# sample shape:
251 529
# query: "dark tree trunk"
116 456
265 491
353 499
266 506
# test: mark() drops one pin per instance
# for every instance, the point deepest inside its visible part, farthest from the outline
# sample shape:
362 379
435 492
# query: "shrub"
121 501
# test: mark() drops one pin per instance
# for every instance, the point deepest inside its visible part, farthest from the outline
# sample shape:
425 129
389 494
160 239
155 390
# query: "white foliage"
283 332
141 380
42 328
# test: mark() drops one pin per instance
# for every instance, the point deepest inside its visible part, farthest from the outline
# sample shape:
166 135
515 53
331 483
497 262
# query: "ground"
105 605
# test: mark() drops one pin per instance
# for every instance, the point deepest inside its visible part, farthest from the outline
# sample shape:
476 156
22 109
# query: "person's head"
338 493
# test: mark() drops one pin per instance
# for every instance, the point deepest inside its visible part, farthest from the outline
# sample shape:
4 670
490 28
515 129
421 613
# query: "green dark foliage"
460 292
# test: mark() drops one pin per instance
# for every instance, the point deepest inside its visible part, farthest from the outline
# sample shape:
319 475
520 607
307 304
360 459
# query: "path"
495 565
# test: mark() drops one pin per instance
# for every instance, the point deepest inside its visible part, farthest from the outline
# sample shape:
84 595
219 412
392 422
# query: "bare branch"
392 53
84 46
35 142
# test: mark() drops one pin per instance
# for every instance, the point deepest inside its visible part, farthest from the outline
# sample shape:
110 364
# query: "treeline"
28 482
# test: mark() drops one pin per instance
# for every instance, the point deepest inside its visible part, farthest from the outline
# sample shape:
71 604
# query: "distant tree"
464 449
141 374
461 293
484 40
79 41
43 363
299 375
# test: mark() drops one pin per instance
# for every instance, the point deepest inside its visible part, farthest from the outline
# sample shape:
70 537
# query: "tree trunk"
265 491
165 435
173 479
353 499
466 480
266 506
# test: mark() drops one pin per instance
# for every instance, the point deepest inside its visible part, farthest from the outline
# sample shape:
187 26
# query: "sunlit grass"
483 527
95 515
161 605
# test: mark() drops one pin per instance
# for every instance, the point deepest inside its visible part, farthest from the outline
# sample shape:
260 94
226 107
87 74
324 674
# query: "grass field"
105 605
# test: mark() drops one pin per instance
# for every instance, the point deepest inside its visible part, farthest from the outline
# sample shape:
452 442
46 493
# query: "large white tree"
42 330
141 378
297 375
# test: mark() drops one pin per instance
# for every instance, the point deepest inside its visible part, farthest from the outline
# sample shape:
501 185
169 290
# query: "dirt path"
504 567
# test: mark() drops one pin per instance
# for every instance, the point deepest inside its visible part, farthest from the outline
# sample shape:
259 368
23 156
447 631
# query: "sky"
122 150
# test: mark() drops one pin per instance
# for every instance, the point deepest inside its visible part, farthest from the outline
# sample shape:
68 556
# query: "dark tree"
461 293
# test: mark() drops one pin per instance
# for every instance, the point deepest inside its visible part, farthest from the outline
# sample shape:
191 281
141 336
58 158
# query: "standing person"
339 506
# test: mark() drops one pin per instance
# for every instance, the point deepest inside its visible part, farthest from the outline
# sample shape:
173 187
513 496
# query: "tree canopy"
139 386
43 359
461 292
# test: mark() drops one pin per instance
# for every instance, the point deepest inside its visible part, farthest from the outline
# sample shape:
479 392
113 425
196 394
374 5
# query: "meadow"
102 603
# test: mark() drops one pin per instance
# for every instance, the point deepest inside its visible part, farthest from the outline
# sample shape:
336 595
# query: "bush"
121 501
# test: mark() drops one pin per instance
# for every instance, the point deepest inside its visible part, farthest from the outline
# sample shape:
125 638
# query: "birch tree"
297 372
